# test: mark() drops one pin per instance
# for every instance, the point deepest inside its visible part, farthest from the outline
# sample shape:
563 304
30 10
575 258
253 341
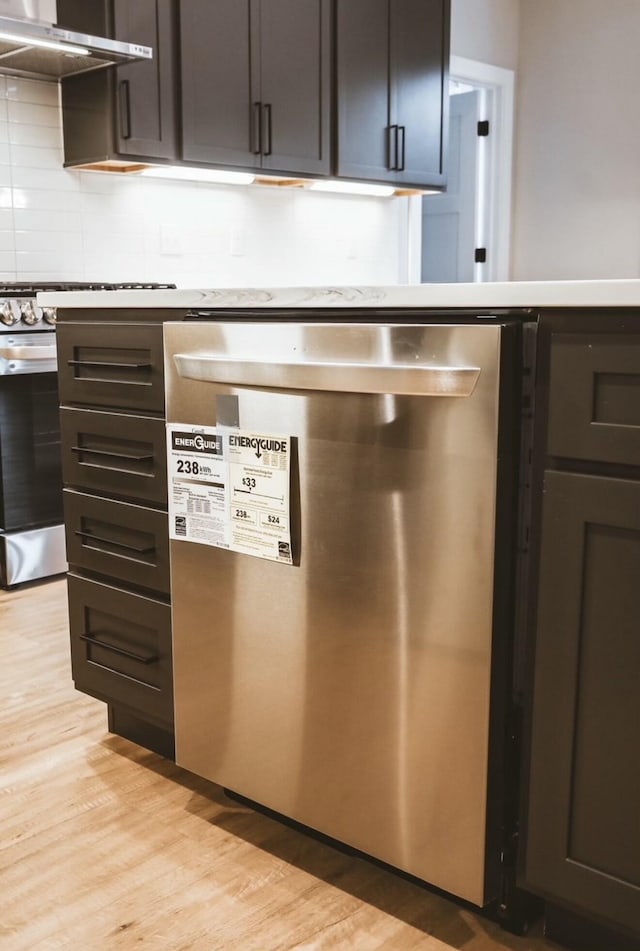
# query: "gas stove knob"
7 314
49 315
28 313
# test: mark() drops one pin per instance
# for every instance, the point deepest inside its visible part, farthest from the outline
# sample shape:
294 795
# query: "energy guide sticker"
230 489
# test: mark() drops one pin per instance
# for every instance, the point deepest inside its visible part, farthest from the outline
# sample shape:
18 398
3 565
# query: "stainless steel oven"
31 521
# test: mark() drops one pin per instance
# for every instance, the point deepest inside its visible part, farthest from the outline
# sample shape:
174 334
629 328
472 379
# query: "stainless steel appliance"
33 46
361 689
31 530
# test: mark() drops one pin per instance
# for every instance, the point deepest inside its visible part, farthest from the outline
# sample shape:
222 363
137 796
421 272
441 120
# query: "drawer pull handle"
141 658
110 541
114 455
101 379
109 363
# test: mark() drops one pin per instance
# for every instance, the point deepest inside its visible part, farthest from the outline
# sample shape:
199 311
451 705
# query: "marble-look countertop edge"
529 294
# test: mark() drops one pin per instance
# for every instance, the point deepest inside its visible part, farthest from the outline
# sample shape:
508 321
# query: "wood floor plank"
105 846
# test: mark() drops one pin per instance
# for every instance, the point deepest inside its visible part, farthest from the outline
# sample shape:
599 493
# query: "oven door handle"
396 379
28 353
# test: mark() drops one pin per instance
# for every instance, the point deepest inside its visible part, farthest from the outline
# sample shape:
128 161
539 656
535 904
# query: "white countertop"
615 293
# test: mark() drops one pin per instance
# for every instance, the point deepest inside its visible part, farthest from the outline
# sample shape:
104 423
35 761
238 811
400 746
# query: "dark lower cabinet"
582 819
121 647
124 542
111 386
392 60
584 804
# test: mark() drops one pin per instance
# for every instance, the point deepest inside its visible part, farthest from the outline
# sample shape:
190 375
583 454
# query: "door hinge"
483 127
480 255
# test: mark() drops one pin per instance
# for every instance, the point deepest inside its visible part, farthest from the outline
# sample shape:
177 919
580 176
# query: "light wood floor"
104 845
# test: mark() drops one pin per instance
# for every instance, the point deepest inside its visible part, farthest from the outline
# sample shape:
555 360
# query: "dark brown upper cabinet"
256 84
392 61
128 113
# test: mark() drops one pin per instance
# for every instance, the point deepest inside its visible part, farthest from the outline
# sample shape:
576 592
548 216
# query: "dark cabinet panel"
121 647
392 77
295 57
583 838
122 541
418 84
146 92
117 365
363 88
129 112
256 83
595 398
114 454
216 82
113 441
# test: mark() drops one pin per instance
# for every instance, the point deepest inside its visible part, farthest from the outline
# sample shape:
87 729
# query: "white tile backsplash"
33 114
26 90
41 200
26 219
28 156
44 240
44 137
60 224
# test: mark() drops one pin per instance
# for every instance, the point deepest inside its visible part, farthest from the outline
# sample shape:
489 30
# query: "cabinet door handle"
392 147
267 126
125 109
400 149
256 128
114 455
132 655
89 536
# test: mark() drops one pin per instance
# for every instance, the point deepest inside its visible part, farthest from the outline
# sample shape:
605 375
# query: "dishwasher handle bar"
395 379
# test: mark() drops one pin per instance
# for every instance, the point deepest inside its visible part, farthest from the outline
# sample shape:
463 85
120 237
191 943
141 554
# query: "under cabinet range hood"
33 47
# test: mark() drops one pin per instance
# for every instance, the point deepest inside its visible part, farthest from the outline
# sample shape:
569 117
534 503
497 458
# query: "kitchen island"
572 587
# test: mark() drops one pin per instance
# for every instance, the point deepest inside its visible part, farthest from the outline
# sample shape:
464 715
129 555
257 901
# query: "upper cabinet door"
128 112
295 56
216 82
419 77
362 59
392 76
256 84
146 91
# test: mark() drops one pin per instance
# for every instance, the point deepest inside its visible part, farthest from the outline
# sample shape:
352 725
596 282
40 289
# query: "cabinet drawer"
594 399
114 454
121 647
117 365
126 542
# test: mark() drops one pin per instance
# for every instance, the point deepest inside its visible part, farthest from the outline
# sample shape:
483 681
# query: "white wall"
57 224
577 156
486 30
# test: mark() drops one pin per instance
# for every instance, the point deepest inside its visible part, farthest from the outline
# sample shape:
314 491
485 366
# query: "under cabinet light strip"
184 173
26 42
351 188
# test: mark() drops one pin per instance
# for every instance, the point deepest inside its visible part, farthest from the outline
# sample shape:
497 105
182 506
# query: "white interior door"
449 219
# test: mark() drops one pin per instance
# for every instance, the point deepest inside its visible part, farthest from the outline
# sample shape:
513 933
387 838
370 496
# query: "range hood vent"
35 48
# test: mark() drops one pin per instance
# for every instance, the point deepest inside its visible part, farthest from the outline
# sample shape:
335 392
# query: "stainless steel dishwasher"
341 499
